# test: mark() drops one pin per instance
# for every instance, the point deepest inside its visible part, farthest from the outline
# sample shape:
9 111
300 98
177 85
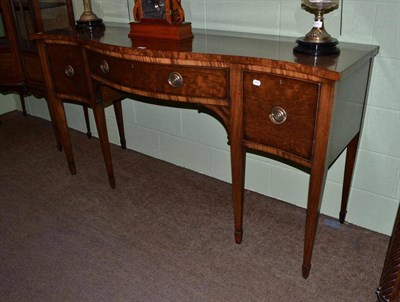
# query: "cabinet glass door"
54 15
25 21
3 32
2 27
32 16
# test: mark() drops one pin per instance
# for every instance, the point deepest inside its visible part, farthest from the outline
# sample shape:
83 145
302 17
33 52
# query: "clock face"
153 9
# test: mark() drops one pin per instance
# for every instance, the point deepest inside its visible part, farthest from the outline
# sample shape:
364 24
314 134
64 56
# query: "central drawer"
280 113
179 80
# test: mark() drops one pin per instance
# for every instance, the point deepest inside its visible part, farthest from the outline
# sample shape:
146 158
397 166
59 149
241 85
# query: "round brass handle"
175 79
105 68
278 115
69 71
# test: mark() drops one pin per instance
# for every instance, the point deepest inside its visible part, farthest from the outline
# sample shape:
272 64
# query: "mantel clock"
162 19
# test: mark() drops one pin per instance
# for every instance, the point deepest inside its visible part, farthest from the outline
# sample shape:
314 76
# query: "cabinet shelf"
43 5
48 5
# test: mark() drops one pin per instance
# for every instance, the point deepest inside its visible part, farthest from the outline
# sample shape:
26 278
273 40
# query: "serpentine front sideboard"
302 110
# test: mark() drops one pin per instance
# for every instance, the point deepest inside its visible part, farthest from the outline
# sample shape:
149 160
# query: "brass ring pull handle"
105 68
278 115
69 71
175 79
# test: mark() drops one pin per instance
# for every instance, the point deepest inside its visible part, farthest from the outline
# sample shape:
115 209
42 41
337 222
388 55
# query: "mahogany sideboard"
302 110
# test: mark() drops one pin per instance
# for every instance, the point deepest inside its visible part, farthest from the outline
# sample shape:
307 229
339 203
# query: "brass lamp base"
317 48
88 20
90 25
318 42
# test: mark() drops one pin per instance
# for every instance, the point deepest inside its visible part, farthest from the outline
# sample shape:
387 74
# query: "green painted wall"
7 103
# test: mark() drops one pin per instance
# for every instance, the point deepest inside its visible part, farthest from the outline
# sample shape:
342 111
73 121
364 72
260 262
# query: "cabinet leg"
56 134
104 143
315 192
238 172
238 159
63 132
319 170
22 99
389 284
86 114
351 153
120 122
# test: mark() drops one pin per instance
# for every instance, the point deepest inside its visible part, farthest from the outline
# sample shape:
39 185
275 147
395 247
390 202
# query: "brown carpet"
164 234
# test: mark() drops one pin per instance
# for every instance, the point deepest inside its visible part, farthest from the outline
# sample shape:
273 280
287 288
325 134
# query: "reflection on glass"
24 18
2 28
4 42
32 16
153 9
54 14
130 4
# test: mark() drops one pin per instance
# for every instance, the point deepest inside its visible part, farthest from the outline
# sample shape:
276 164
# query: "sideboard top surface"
229 47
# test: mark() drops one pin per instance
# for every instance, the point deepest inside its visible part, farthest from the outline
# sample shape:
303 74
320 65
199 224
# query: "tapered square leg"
100 119
351 154
120 122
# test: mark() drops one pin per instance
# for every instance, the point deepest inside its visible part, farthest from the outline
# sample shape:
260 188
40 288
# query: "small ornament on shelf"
160 19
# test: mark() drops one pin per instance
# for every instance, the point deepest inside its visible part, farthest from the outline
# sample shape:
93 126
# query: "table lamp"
318 41
88 19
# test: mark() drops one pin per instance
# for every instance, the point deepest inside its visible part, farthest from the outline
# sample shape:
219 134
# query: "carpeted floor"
164 234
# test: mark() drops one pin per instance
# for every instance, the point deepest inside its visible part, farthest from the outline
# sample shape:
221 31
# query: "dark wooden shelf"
52 5
28 5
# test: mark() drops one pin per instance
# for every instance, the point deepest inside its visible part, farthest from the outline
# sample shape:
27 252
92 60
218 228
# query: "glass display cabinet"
20 68
40 15
31 16
11 73
5 53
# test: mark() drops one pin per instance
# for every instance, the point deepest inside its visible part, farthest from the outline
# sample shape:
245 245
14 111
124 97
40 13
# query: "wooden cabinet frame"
20 67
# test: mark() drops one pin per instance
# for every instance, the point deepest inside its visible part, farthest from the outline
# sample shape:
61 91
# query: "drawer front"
67 70
187 81
280 112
